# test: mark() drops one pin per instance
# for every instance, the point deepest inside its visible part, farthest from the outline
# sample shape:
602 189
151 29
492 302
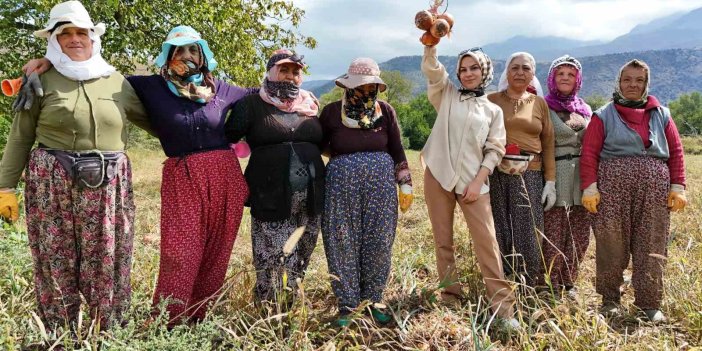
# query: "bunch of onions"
435 26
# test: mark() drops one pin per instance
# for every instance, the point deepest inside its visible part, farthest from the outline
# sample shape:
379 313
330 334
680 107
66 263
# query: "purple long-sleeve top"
184 126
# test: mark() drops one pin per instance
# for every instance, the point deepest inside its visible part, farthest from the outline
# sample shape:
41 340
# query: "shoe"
609 309
655 316
450 300
343 320
380 316
511 325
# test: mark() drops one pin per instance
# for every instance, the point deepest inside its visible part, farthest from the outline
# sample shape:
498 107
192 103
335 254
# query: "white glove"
548 196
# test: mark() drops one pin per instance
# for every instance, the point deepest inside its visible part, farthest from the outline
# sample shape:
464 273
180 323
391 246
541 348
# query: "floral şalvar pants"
81 242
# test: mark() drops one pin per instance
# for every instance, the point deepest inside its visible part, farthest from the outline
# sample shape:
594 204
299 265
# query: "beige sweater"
530 127
468 132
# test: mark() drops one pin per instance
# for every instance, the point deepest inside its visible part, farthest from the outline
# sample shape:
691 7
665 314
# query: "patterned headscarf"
286 96
571 102
361 109
485 67
189 79
618 96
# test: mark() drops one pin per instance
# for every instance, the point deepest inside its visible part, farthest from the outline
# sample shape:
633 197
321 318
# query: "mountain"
671 45
675 31
674 72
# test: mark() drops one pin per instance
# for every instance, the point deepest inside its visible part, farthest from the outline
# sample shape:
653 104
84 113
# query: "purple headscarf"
571 102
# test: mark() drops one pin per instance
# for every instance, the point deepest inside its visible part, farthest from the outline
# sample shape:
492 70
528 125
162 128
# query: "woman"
78 195
360 208
632 171
517 198
567 224
202 188
457 170
285 173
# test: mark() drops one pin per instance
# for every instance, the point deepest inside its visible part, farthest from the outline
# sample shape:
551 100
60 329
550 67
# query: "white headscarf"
94 67
534 81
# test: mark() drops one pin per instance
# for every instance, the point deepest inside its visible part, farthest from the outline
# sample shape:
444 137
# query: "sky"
383 29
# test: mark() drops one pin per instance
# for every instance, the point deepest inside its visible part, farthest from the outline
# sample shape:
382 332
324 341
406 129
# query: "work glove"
31 88
405 197
676 198
591 198
9 208
548 196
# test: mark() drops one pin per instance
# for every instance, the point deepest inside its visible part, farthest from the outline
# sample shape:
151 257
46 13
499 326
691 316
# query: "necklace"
517 103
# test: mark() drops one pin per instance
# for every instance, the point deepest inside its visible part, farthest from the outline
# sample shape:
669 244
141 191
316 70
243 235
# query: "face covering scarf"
360 109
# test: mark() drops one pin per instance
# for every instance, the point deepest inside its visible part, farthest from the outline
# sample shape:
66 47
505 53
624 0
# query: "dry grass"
420 324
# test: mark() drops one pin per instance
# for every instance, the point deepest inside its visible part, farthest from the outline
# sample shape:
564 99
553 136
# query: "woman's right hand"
39 65
591 198
9 209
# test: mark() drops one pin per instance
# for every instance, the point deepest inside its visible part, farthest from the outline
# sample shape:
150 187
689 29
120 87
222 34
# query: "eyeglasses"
475 49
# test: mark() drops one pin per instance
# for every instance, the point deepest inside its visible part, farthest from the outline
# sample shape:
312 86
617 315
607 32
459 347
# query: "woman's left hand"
676 198
405 197
472 191
548 196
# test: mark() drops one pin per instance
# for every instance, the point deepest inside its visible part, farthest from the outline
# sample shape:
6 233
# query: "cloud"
383 29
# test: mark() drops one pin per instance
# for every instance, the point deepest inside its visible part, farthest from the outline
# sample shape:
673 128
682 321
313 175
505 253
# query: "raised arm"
437 77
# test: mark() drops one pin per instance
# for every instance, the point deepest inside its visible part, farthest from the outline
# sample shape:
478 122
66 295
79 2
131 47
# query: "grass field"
420 323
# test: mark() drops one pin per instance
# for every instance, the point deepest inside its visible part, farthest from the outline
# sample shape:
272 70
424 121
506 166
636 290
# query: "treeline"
416 115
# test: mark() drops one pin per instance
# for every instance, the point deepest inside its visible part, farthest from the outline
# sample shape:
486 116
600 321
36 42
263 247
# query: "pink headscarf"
304 103
571 102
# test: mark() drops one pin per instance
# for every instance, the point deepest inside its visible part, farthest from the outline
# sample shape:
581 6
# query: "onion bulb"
448 17
440 28
428 39
423 20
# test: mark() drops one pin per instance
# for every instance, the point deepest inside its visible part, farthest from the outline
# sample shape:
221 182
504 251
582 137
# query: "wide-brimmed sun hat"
73 12
185 35
362 71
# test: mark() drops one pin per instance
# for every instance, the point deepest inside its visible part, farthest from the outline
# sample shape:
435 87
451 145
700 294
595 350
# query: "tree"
399 89
331 96
686 111
416 120
241 33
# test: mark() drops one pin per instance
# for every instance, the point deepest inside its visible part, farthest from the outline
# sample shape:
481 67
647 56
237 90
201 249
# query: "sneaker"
511 325
379 315
609 309
450 300
343 320
655 316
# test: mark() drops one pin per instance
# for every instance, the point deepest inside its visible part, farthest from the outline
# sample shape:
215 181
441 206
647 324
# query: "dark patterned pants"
360 219
632 220
267 241
519 222
566 239
81 242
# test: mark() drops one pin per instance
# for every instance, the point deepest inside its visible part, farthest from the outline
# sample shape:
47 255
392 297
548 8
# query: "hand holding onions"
434 25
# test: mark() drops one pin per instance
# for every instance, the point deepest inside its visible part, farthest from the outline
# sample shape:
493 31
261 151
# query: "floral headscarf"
189 79
571 102
361 109
485 67
618 96
286 96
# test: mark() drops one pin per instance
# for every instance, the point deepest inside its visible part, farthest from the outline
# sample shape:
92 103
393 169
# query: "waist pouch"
88 169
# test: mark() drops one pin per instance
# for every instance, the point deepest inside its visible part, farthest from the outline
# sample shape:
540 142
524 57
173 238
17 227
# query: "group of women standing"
525 219
81 234
549 155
